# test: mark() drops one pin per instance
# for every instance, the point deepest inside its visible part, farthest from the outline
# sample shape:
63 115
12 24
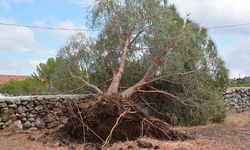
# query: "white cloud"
237 56
61 35
19 50
16 39
215 12
22 41
6 4
64 35
232 42
83 2
25 67
34 63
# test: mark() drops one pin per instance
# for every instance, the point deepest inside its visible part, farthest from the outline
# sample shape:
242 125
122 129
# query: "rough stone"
27 124
24 102
11 111
24 119
12 106
17 102
33 112
40 98
18 127
39 122
23 115
237 98
39 107
143 144
5 117
9 102
31 119
21 109
4 126
36 102
32 129
50 106
33 124
2 105
31 115
5 110
30 105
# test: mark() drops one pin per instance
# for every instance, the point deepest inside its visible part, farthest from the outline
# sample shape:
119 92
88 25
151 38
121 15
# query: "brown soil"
233 134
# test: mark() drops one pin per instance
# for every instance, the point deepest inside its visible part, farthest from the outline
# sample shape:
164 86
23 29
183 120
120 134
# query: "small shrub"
30 86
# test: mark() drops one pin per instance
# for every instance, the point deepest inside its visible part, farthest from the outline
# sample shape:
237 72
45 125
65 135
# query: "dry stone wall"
237 98
34 112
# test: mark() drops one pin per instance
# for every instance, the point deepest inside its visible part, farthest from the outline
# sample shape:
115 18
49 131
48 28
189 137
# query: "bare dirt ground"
233 134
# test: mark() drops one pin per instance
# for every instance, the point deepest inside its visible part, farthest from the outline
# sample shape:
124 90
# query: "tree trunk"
133 89
113 88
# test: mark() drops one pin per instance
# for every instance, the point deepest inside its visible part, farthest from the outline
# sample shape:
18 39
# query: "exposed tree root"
101 119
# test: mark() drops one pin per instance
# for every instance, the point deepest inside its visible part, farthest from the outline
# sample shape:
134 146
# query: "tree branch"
162 77
133 89
86 83
171 96
138 34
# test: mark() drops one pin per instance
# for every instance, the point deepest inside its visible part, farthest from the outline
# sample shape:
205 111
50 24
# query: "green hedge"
30 86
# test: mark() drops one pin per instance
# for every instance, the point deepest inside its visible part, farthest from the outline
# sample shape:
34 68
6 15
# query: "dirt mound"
100 119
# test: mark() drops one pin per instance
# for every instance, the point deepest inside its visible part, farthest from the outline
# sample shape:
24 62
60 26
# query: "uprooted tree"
144 46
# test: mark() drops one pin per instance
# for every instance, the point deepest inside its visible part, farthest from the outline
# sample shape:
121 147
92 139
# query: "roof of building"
6 78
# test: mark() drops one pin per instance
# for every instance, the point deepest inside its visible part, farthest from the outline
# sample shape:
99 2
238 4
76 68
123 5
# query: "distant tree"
45 71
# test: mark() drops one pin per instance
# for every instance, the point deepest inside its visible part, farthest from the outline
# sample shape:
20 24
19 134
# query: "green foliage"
245 84
80 57
29 86
197 105
39 83
46 70
182 52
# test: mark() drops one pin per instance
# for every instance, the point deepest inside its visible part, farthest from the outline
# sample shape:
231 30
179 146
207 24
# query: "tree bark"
133 89
87 84
113 88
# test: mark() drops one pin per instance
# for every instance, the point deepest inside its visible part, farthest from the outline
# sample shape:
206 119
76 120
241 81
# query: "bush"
197 108
30 86
246 84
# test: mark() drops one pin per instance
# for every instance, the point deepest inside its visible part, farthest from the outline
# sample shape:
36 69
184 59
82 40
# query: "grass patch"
247 84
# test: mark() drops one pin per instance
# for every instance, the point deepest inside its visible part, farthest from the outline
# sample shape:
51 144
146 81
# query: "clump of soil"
101 119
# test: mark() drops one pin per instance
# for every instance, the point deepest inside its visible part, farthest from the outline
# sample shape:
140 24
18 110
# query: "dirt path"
233 134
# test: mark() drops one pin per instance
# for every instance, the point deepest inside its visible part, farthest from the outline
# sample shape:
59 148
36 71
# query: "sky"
21 49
